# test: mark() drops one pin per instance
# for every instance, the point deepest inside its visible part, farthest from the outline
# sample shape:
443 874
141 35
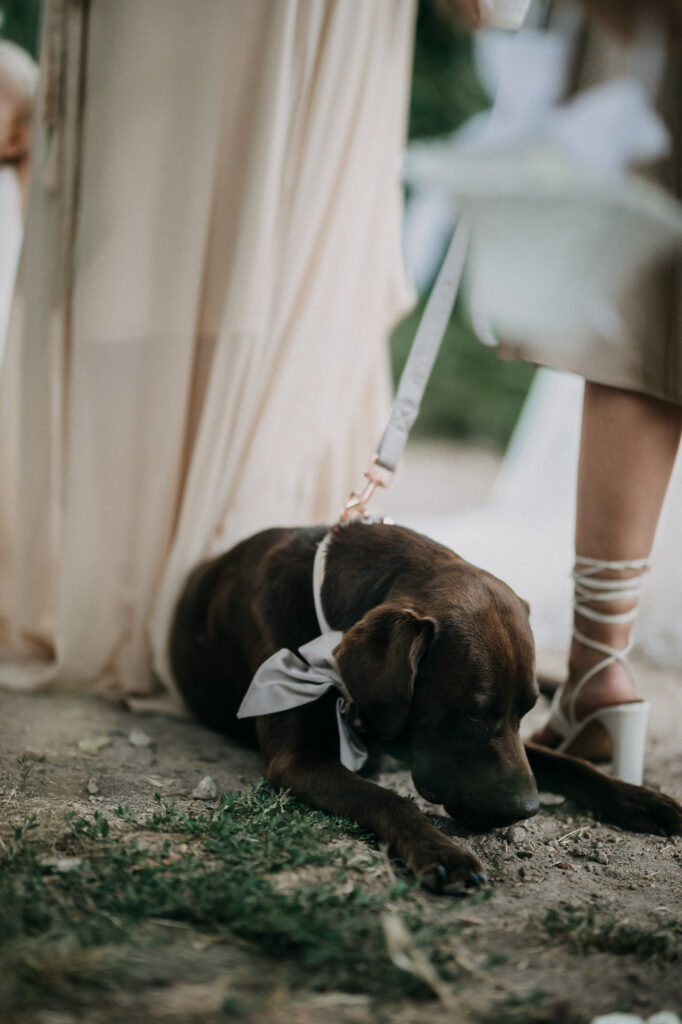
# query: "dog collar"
289 679
319 569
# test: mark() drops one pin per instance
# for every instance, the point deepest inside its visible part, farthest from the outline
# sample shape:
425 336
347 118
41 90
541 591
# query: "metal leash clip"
377 476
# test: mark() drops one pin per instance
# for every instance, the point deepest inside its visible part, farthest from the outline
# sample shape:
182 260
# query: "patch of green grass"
216 870
25 768
583 930
446 90
49 966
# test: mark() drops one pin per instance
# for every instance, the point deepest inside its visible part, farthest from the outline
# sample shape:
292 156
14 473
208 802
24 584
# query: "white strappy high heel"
625 723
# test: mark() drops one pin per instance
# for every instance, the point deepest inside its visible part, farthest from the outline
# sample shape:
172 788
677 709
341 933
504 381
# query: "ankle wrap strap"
589 590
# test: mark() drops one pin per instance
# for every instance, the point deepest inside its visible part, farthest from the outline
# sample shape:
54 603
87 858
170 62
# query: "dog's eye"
527 703
492 725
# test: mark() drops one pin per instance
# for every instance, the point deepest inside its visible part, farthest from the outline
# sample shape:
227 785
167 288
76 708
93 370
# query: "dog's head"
448 676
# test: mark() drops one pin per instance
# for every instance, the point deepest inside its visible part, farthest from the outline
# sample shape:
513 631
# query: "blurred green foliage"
19 22
446 90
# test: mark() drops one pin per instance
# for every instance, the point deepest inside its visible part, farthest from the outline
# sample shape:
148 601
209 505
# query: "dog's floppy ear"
378 660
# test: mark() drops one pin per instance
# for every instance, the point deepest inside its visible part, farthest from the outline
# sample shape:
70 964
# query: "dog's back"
218 638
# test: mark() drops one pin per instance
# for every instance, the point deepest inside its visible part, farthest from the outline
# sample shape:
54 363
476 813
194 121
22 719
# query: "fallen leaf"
407 957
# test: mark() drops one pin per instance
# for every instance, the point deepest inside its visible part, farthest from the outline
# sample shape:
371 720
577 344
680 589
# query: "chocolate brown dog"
437 656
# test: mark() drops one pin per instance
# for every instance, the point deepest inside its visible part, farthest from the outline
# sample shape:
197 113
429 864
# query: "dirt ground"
513 966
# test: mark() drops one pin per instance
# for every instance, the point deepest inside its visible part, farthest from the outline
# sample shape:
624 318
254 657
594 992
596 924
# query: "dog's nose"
487 814
525 805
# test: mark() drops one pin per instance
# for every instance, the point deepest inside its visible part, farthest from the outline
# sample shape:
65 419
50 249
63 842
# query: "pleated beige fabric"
197 347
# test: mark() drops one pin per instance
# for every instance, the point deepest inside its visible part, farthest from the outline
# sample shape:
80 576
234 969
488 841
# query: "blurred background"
507 507
451 471
472 395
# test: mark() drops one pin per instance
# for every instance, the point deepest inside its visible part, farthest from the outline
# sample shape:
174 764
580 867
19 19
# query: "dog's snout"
489 815
522 806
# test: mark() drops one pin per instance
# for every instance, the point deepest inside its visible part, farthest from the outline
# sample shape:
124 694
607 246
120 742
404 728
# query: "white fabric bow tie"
288 680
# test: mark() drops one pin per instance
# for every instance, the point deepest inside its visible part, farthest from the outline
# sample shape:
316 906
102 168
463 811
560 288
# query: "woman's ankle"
613 684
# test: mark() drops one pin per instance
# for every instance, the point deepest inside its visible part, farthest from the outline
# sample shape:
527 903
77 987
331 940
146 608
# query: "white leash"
425 346
415 375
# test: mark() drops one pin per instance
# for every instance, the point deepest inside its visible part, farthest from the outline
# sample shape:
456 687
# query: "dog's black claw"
435 881
476 878
662 832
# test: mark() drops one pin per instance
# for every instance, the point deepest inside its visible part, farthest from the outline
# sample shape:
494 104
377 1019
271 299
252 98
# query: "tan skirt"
649 359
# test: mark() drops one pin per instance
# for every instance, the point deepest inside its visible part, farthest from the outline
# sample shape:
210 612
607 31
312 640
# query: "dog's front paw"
642 809
448 869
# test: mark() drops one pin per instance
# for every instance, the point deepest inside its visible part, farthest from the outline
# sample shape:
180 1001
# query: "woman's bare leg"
627 452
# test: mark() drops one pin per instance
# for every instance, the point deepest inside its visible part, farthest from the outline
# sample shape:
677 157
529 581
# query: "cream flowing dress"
196 351
11 230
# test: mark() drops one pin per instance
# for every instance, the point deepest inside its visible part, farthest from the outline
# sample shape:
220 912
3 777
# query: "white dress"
201 353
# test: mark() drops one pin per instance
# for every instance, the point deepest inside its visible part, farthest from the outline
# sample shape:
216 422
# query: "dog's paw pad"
474 880
434 880
452 883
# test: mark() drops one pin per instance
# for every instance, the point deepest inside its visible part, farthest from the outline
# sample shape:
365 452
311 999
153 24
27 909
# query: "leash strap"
424 350
415 375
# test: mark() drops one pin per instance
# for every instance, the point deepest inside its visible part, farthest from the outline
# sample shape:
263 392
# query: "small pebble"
138 738
91 745
550 799
515 834
33 754
205 790
62 865
92 787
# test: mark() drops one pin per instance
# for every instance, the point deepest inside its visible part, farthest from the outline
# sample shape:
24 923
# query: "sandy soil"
560 858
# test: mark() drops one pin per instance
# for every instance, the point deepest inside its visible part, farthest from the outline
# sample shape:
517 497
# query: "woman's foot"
612 685
599 676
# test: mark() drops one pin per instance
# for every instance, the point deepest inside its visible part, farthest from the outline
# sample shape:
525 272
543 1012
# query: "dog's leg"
316 777
431 856
637 808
